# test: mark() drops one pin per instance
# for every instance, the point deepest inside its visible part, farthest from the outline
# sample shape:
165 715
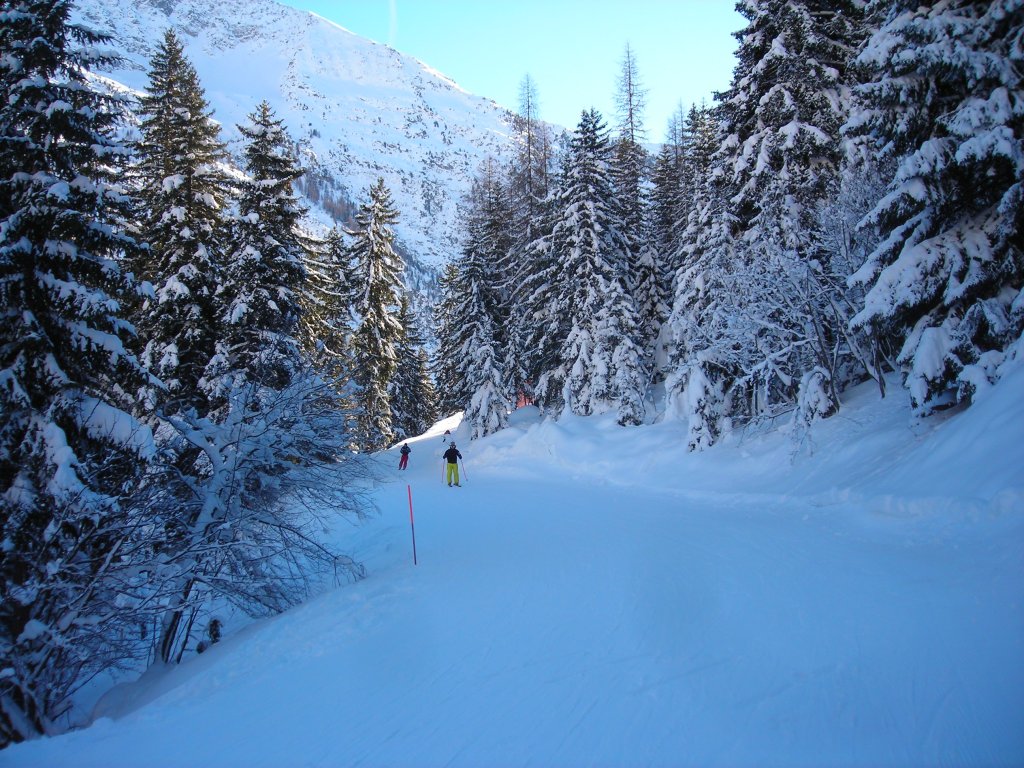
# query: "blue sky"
572 49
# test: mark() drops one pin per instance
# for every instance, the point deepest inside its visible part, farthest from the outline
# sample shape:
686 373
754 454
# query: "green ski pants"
453 470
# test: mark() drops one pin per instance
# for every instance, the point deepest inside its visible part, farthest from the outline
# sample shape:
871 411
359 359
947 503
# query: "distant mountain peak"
357 109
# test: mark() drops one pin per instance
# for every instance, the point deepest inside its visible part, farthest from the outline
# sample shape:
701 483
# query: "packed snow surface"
594 595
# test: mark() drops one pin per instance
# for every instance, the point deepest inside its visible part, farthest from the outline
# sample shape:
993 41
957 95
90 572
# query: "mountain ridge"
357 109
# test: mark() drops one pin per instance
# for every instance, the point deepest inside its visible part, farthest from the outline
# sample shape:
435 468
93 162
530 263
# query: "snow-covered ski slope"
595 595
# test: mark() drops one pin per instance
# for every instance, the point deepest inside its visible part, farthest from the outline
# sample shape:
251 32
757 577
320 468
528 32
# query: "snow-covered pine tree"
700 370
943 99
476 309
602 363
528 187
489 405
529 190
426 413
452 391
264 275
696 384
530 170
328 300
680 186
495 240
413 406
277 433
70 453
540 325
781 157
678 174
786 168
666 208
378 270
629 175
701 141
183 188
650 297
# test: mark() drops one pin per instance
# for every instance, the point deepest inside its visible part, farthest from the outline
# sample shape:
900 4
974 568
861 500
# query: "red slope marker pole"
412 524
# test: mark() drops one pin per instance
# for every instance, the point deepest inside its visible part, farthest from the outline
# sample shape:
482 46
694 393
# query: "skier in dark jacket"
403 463
452 456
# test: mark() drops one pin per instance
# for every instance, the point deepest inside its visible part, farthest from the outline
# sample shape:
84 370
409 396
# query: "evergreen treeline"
186 377
850 207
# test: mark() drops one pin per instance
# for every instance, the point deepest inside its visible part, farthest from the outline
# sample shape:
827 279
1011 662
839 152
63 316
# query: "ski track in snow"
596 596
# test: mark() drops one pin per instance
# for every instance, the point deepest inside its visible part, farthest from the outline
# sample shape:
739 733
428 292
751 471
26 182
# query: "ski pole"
464 475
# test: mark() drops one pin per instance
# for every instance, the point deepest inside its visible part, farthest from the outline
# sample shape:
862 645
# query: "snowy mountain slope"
594 595
358 109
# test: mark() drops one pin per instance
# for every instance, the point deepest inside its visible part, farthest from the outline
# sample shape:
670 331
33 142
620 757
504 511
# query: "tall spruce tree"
265 272
69 449
183 189
529 192
668 182
679 188
328 301
413 407
539 326
785 169
272 435
628 161
664 210
756 258
492 208
601 363
476 311
529 177
378 270
700 369
424 411
452 390
700 141
942 100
